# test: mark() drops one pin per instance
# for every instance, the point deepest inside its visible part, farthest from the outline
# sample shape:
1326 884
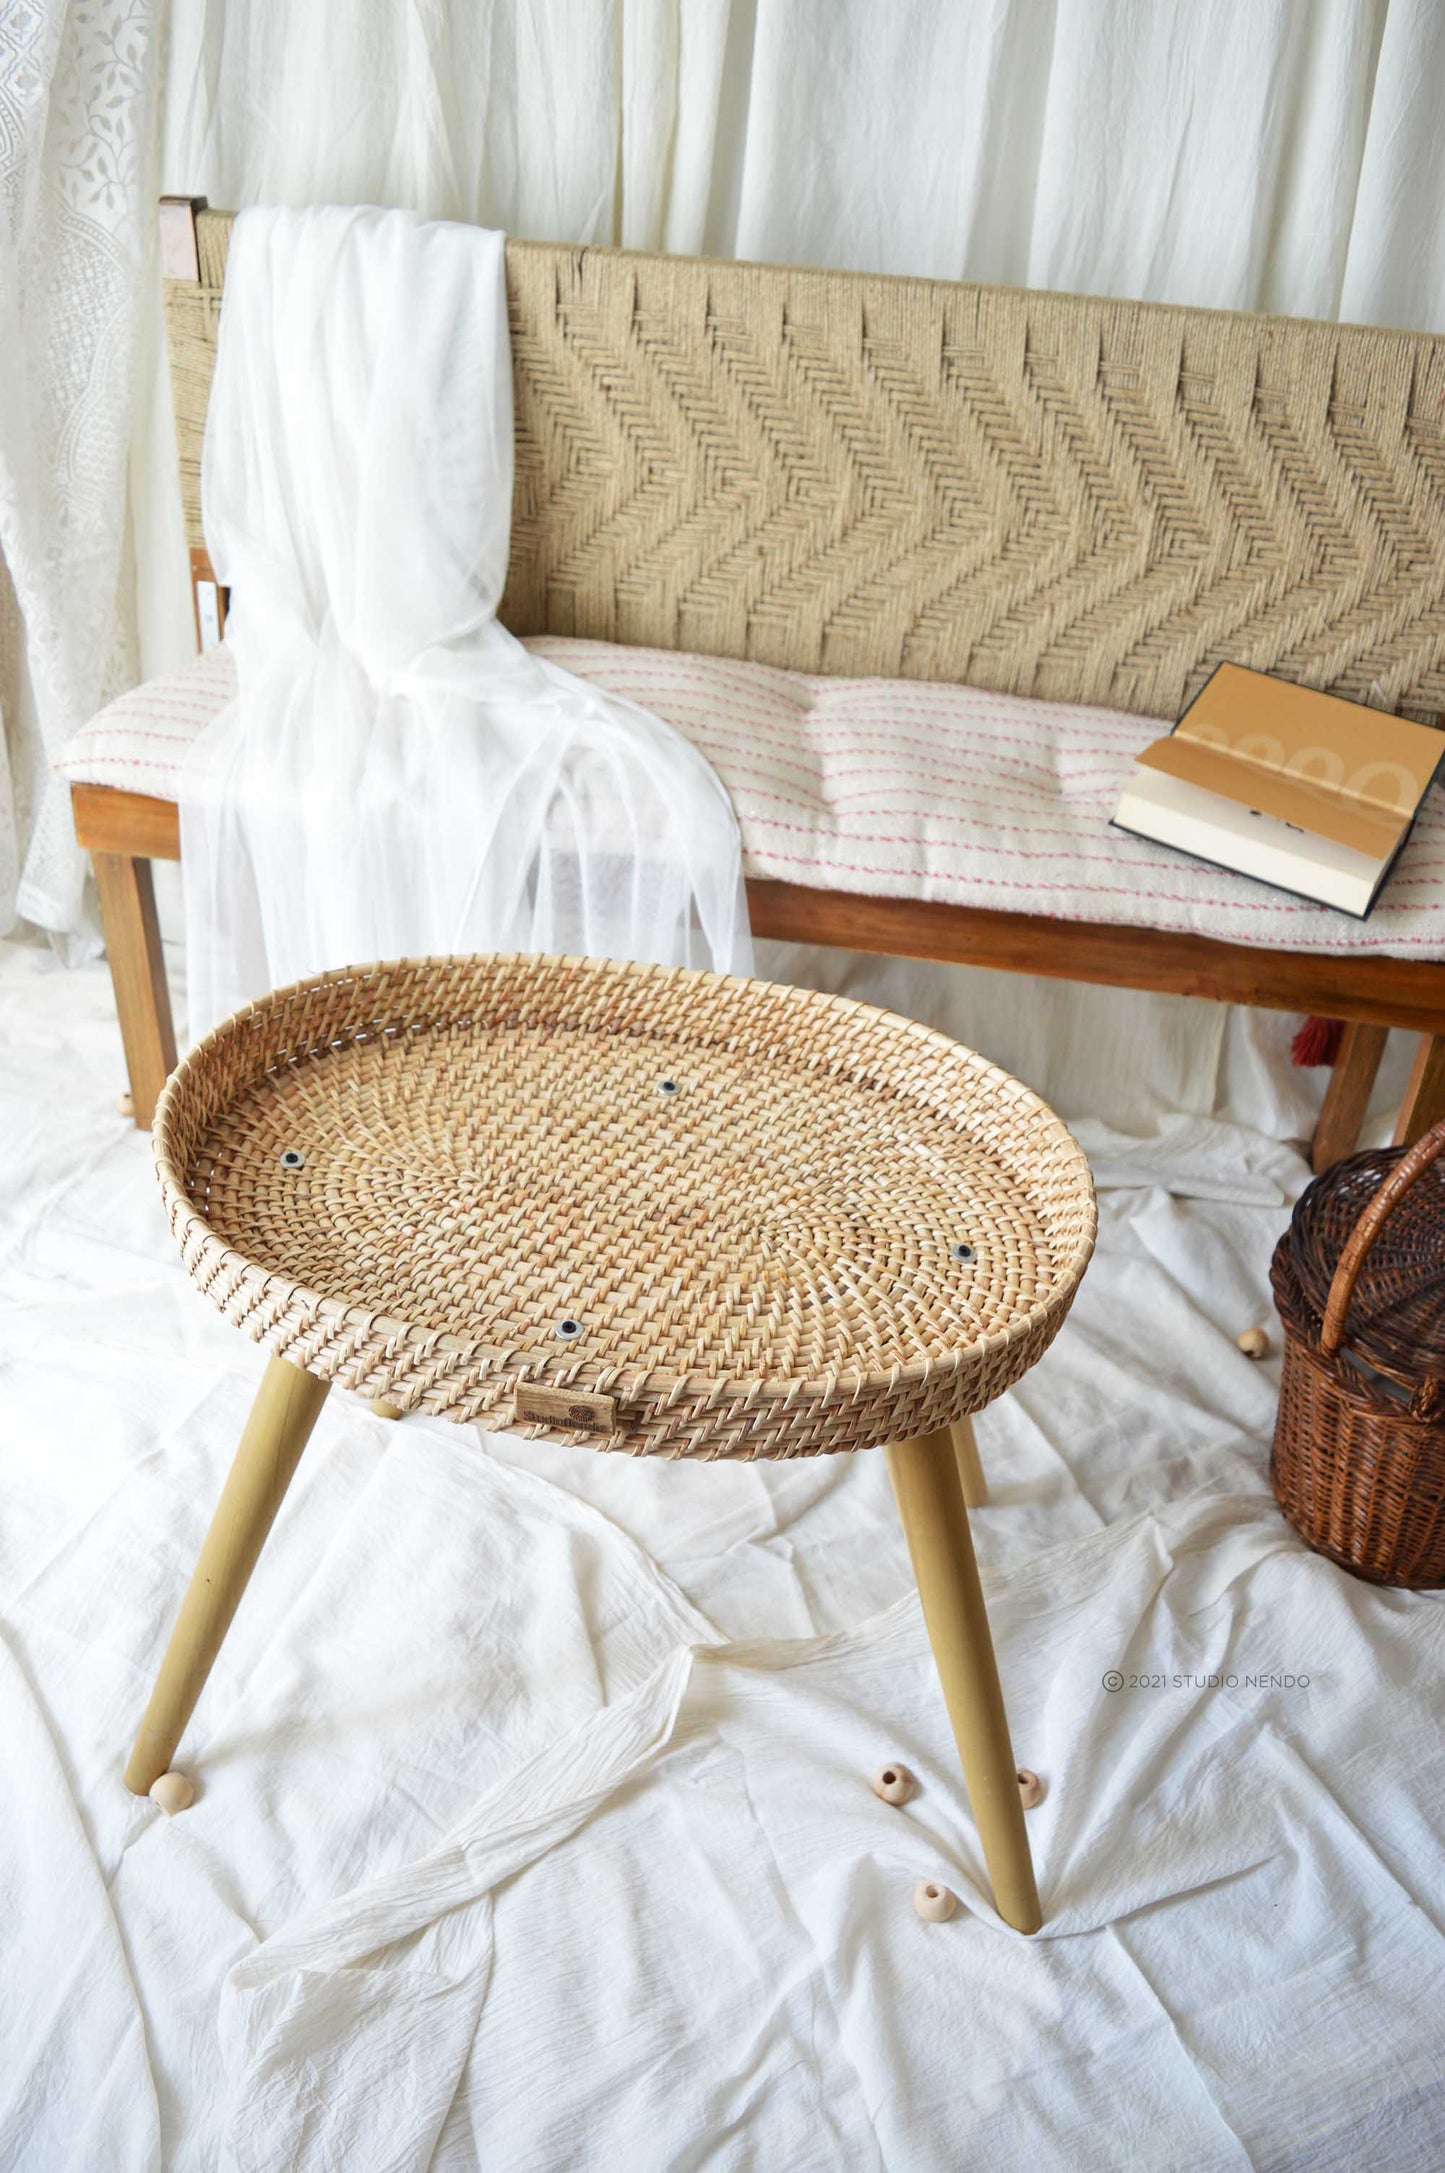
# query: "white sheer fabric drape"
399 775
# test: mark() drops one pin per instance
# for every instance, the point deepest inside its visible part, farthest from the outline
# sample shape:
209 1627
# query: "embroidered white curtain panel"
78 104
399 776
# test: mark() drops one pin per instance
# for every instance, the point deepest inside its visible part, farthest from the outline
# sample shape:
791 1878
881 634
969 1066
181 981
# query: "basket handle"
1372 1219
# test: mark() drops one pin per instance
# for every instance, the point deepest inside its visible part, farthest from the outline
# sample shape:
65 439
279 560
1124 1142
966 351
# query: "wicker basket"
1359 1446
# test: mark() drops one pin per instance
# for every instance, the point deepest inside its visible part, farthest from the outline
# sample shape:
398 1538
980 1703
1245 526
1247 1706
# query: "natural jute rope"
725 1218
1093 501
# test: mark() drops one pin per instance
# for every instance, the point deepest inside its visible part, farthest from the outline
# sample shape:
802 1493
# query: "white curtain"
78 83
1260 154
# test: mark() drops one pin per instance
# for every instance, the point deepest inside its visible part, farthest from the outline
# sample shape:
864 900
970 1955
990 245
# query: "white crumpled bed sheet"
534 1828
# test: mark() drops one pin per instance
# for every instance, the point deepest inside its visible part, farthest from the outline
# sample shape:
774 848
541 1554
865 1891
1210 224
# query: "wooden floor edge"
1377 990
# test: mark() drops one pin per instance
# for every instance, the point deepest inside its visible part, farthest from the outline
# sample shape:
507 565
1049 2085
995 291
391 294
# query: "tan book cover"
1297 788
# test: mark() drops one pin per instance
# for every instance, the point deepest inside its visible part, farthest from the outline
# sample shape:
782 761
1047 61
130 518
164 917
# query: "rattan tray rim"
609 1380
209 1257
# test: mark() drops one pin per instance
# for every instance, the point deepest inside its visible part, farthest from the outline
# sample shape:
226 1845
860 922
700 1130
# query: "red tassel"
1317 1042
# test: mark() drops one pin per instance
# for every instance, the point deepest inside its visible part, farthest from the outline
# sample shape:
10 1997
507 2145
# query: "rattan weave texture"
1092 501
1358 1463
1396 1313
785 1223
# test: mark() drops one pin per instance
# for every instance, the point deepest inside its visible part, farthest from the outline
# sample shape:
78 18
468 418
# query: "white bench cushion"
893 787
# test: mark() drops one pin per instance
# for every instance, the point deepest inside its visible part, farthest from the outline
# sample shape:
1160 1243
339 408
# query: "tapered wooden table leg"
276 1432
929 1492
970 1470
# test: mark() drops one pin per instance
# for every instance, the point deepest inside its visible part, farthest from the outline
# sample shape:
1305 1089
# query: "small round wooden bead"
895 1784
173 1792
934 1903
124 1105
1254 1343
1031 1788
383 1407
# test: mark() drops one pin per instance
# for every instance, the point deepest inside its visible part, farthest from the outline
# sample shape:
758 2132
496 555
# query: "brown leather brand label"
573 1409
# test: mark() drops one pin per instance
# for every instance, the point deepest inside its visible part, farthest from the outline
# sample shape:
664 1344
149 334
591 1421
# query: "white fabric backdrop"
1241 153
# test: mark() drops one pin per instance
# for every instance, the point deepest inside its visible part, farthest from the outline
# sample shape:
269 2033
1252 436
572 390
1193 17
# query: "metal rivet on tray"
667 1086
569 1329
961 1252
293 1158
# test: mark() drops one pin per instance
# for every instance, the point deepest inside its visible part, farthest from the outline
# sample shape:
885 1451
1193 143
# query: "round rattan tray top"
658 1210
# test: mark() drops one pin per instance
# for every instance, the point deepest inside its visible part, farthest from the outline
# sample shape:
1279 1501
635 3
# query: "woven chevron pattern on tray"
1086 500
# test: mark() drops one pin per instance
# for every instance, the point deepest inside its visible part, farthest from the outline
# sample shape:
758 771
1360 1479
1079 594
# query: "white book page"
1174 813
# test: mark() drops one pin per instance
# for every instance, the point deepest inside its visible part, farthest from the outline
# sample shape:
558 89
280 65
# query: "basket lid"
1396 1319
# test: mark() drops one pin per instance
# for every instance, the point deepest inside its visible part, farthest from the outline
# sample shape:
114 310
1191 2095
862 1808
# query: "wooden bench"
1090 501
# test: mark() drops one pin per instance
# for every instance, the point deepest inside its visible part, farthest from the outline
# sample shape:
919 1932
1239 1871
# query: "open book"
1300 789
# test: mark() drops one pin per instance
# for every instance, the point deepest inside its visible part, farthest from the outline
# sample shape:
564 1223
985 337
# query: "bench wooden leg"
276 1432
1348 1095
138 974
1424 1102
929 1493
970 1470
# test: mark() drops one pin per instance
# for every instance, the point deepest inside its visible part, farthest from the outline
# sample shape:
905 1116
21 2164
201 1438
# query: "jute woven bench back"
1087 500
711 1216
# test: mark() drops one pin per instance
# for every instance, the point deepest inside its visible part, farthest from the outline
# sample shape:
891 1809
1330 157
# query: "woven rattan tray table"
665 1212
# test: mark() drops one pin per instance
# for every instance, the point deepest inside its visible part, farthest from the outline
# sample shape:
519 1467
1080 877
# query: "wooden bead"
1031 1788
173 1792
383 1407
934 1903
895 1784
124 1105
1254 1343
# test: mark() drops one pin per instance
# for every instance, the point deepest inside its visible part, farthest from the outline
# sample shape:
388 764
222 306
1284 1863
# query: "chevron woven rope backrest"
1045 494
